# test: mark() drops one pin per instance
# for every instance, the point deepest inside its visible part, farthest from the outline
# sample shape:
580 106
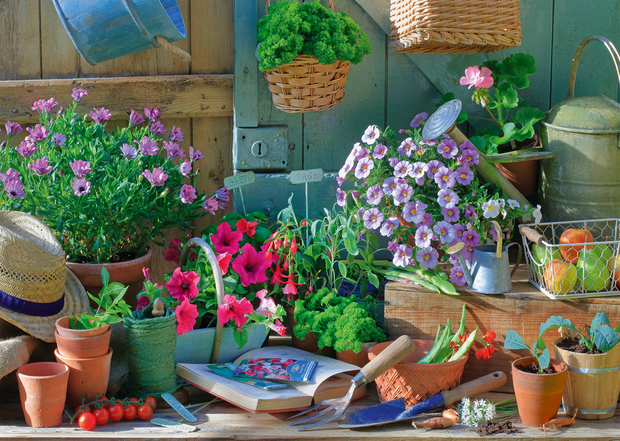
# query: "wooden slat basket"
454 26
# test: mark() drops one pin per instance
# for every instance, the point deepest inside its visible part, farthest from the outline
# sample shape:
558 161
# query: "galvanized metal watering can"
489 272
582 182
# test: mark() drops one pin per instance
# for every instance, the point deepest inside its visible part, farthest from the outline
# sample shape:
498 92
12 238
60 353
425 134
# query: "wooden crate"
415 311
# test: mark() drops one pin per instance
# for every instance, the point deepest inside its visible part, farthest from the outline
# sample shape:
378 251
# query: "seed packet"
227 370
278 369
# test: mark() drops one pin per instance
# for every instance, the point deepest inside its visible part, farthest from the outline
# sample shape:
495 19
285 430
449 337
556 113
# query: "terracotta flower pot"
88 347
88 377
523 175
64 330
352 358
128 273
538 395
42 391
310 342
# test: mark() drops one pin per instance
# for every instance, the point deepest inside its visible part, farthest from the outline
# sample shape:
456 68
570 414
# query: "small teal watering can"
489 272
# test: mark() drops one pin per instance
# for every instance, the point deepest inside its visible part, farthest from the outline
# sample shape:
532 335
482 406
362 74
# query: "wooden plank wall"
35 46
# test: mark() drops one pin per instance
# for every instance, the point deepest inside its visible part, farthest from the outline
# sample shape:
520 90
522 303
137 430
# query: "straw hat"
36 288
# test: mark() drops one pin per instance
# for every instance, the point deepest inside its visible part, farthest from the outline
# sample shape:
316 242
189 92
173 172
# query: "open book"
332 379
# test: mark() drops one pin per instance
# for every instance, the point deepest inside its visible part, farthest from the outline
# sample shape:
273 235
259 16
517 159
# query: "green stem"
499 114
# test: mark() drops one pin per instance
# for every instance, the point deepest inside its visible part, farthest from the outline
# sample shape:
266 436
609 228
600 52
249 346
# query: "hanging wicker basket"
305 85
455 26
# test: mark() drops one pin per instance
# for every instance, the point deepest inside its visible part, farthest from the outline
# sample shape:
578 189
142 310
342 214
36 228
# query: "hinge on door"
260 148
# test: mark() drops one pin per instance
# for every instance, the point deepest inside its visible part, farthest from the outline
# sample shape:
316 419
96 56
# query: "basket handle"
331 4
573 67
219 286
532 234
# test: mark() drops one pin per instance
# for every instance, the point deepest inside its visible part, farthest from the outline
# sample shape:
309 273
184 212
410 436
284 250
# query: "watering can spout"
456 249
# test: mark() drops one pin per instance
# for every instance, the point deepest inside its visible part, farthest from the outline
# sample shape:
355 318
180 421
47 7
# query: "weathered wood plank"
59 58
175 96
212 37
169 63
246 64
20 40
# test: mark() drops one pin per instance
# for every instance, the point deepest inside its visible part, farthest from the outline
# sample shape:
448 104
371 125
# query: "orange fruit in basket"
573 236
560 276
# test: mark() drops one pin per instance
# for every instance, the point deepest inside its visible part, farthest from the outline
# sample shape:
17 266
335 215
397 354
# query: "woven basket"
456 26
415 382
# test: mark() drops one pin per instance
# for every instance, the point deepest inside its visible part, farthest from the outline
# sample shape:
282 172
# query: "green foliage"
599 335
514 341
110 306
291 28
340 322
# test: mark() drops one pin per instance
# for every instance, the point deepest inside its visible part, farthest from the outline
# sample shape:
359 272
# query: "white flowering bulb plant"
106 195
425 195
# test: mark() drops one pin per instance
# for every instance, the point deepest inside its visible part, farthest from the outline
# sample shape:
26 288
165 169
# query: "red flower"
223 261
454 346
183 285
269 254
277 277
246 227
146 272
278 327
290 289
463 338
293 246
226 240
489 336
186 314
251 266
174 251
483 353
234 309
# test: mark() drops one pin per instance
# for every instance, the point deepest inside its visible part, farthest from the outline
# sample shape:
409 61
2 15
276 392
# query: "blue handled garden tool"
394 410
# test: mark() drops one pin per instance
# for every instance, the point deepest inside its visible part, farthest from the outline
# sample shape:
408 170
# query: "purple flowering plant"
424 196
105 194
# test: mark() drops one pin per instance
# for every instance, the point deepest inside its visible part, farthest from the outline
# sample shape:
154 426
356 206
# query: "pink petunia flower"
79 94
186 314
100 115
474 76
251 265
157 177
12 128
188 194
143 302
278 327
80 168
183 285
225 240
235 310
267 305
80 186
40 166
223 261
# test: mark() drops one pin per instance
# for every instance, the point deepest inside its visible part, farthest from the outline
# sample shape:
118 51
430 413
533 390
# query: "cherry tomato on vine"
87 421
116 412
79 412
101 416
145 412
133 400
130 412
104 405
151 401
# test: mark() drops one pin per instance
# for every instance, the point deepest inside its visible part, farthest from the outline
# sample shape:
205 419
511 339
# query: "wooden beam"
176 96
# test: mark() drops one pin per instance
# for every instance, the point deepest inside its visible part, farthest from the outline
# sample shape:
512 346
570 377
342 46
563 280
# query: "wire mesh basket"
572 264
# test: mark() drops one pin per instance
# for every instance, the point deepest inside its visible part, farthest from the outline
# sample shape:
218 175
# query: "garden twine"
151 344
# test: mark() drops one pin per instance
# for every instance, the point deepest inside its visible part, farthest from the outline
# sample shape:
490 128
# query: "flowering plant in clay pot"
424 195
191 291
105 194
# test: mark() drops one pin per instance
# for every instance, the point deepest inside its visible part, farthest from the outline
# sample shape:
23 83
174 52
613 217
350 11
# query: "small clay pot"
538 395
64 329
42 392
87 347
352 358
88 377
310 342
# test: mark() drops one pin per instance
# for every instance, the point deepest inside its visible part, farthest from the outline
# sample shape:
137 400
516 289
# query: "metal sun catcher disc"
441 120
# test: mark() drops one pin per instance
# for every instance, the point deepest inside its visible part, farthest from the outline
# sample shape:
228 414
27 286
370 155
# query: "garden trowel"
394 410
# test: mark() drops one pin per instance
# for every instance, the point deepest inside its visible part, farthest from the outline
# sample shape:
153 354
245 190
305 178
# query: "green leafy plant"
343 323
110 306
506 77
291 28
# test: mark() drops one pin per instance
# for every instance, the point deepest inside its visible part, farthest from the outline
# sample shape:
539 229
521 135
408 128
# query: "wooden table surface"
223 421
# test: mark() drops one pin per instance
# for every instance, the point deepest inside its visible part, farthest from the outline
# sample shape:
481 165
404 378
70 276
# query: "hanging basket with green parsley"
305 50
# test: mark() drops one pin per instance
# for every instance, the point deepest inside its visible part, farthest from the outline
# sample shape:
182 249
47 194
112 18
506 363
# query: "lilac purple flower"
429 142
9 175
135 118
210 205
222 196
194 155
445 178
402 169
470 213
185 168
38 133
12 128
80 168
418 172
420 150
176 135
433 167
173 150
373 218
346 169
469 157
459 230
423 237
471 237
447 148
341 197
451 214
389 226
468 252
457 275
374 195
389 185
464 175
447 198
80 186
157 128
427 221
393 162
363 153
43 106
392 246
427 257
414 211
188 194
370 135
402 193
418 119
100 115
406 147
339 181
152 114
402 256
445 231
379 151
40 166
26 149
14 188
157 177
59 139
79 94
363 168
128 151
148 146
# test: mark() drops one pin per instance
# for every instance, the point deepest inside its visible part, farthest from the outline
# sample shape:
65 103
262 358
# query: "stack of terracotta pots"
88 355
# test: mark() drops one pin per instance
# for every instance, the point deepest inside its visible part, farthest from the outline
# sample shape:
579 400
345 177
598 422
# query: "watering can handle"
519 256
573 68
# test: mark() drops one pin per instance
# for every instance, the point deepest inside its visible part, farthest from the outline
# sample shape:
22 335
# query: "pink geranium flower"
183 285
226 240
186 314
251 265
234 309
477 77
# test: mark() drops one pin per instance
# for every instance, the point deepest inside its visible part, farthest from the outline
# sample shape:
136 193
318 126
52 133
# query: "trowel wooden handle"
396 352
484 384
532 234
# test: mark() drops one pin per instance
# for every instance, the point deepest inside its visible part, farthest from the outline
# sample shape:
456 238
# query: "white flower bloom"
513 204
537 215
491 209
370 135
